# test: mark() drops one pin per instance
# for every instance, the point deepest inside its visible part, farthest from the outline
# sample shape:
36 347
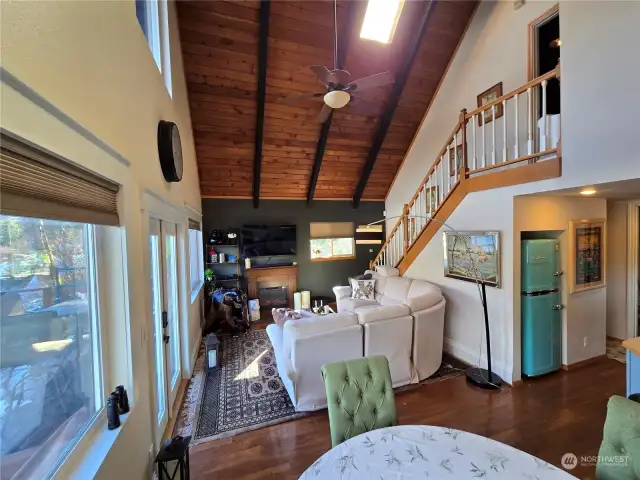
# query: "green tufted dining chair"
359 396
621 441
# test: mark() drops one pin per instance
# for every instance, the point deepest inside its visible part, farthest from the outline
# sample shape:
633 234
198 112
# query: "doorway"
165 317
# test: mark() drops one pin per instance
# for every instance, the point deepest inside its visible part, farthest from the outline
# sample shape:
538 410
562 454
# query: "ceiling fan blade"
300 98
377 80
323 74
323 116
342 76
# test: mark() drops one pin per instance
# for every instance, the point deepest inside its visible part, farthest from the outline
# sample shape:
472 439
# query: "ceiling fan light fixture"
337 98
381 19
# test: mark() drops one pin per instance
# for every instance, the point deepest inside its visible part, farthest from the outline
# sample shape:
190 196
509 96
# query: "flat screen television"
268 240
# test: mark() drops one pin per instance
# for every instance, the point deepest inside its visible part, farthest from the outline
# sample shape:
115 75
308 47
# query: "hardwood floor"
546 417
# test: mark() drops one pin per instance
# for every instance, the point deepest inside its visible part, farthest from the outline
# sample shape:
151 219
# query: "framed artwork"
489 96
586 255
431 194
433 198
453 165
465 252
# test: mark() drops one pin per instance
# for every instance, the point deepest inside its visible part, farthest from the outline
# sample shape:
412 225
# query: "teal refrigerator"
541 307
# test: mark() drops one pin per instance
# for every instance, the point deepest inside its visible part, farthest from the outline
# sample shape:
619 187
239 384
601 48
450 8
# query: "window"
332 241
153 18
381 19
51 379
196 259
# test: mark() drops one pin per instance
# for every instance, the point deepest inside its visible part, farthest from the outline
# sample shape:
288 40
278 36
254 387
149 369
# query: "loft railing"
497 136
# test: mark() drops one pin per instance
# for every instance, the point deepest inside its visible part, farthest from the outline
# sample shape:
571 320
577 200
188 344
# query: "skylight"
381 19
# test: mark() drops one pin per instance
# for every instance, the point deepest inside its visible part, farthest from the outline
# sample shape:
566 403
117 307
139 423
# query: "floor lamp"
481 377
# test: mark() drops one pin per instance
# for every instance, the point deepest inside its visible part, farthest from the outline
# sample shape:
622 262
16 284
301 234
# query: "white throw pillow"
363 289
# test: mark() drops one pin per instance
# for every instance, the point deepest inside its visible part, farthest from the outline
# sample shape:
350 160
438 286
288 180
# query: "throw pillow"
363 289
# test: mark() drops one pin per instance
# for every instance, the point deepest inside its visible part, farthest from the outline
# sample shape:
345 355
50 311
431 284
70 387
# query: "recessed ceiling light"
381 19
588 191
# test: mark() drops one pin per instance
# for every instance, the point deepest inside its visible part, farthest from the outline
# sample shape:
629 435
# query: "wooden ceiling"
362 146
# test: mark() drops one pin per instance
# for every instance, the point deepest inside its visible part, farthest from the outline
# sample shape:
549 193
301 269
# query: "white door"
166 340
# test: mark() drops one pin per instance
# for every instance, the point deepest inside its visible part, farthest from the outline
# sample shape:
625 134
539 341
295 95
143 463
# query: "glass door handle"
557 274
165 338
557 307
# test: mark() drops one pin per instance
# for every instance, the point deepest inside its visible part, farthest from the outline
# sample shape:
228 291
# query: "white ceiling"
622 190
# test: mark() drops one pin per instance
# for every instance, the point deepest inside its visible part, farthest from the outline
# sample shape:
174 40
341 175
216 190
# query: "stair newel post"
405 229
464 163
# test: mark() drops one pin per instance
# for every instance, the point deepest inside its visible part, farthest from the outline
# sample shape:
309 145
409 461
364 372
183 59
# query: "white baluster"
504 130
545 130
516 149
493 134
441 179
473 123
484 145
529 132
456 160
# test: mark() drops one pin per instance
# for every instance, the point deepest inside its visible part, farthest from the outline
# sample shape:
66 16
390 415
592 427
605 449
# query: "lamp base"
480 378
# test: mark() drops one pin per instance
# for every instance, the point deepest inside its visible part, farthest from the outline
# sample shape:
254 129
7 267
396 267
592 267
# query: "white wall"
598 144
617 231
88 89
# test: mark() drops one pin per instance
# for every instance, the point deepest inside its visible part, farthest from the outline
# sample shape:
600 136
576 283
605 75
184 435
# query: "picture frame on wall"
487 97
454 165
587 247
464 249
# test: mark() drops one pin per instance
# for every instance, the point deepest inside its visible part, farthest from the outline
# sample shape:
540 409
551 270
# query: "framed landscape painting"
487 97
465 252
586 255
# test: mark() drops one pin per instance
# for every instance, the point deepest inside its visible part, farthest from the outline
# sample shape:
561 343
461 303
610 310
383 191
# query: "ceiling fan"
338 82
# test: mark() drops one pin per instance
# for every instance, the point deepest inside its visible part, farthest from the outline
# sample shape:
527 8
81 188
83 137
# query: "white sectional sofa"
405 323
304 345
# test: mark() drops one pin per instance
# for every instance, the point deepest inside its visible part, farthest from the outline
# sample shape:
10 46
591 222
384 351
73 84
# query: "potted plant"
209 280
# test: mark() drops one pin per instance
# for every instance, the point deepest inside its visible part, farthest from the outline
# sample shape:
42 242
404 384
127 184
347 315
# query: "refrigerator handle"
557 307
557 274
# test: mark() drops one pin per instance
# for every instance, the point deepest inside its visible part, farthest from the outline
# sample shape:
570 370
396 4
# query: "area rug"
246 393
616 351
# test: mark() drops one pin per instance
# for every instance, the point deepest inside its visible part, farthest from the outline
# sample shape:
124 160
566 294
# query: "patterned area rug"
616 351
247 393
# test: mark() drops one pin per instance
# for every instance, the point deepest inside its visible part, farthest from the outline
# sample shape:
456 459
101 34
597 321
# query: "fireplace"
273 297
272 286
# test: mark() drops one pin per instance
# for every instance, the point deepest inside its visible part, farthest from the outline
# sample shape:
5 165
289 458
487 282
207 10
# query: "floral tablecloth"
414 451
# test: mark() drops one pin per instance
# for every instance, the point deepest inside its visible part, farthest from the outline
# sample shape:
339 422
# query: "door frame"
633 270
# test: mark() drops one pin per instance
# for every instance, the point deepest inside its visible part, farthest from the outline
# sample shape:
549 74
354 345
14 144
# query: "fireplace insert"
271 297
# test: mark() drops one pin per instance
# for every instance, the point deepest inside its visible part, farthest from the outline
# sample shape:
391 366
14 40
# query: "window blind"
37 183
331 230
194 225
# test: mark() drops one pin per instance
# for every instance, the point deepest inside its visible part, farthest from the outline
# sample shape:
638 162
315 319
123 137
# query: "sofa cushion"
387 271
376 313
381 282
350 304
423 295
318 324
397 288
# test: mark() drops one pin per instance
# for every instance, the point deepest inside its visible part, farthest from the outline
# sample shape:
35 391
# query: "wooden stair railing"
460 168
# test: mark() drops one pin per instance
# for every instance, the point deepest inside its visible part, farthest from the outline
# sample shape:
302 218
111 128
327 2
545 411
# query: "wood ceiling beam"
326 126
392 103
262 93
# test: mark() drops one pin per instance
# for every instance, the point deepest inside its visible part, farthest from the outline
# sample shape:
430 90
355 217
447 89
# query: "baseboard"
195 348
470 356
583 363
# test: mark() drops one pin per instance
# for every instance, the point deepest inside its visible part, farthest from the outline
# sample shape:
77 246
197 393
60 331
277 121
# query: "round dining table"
419 451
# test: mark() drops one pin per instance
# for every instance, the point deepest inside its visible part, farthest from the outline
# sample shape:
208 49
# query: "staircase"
484 151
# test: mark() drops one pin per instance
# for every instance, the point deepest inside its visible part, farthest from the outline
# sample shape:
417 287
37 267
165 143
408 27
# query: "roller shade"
332 230
193 225
37 183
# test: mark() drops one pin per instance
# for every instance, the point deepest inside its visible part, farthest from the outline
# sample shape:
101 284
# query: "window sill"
196 292
331 259
89 456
